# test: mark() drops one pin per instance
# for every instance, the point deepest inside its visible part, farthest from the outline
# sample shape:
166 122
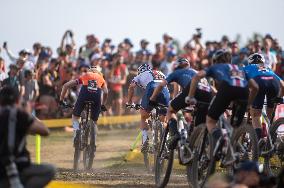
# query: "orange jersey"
91 77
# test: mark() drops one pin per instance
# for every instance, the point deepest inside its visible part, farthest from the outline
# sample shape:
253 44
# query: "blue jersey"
232 74
253 71
181 76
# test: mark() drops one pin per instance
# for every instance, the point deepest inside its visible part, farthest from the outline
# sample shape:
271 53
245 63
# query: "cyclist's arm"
158 90
131 92
65 88
105 93
253 87
194 82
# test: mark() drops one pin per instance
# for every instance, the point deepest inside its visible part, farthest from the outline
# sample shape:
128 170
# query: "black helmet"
256 58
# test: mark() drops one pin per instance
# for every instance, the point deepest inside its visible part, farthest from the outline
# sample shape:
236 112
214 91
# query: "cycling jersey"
90 91
92 81
254 70
143 79
232 74
268 83
181 76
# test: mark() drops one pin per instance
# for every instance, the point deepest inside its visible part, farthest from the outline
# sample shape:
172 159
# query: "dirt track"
109 169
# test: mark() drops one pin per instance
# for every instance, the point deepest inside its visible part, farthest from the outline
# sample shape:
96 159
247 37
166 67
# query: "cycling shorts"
269 87
84 96
225 95
162 98
178 103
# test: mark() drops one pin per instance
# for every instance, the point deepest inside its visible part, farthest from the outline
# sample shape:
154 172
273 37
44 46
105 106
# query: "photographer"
16 169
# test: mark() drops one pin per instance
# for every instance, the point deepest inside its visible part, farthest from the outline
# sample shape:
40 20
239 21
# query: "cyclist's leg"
272 92
78 108
257 106
218 106
144 113
202 109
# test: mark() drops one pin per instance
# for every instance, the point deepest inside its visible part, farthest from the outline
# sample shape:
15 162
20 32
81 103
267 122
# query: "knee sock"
144 135
75 123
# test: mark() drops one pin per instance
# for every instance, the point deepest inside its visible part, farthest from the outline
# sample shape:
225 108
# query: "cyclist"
182 75
232 85
148 79
269 85
93 84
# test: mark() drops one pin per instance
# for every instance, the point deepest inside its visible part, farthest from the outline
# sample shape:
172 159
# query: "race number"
92 85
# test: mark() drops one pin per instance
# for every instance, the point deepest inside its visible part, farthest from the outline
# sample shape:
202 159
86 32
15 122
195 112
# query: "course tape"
62 184
104 120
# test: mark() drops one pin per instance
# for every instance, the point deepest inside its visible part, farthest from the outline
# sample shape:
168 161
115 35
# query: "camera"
199 33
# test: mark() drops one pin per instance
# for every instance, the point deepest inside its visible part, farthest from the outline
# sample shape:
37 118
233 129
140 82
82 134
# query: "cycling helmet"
144 67
222 56
256 58
181 62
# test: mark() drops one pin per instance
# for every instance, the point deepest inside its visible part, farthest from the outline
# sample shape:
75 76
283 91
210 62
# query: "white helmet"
144 67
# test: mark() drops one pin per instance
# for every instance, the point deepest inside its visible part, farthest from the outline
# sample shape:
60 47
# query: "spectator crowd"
39 74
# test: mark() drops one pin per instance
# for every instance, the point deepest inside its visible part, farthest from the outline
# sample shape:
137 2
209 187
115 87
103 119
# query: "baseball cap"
25 51
128 41
243 51
171 54
144 41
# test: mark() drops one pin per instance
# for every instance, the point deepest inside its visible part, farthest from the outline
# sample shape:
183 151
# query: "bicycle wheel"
244 142
273 162
201 167
164 162
77 152
150 153
90 147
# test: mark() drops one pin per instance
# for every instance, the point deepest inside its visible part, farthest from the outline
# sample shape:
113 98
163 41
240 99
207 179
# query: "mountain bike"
239 144
156 128
85 138
165 157
273 142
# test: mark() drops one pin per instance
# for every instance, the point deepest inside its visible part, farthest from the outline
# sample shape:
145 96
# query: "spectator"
158 56
168 43
96 61
12 80
34 56
86 50
241 59
144 44
117 78
128 55
16 169
168 65
280 65
31 88
270 57
3 74
68 48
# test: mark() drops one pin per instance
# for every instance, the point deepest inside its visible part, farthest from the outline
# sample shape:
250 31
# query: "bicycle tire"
193 168
253 152
273 132
77 151
150 158
90 148
163 181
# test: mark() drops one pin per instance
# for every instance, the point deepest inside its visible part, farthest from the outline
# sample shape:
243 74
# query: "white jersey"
143 79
